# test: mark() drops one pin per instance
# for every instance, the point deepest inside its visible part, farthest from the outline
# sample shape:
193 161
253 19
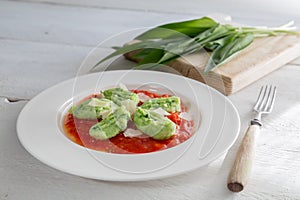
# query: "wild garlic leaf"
229 49
147 44
197 43
204 22
219 42
174 50
215 33
141 54
125 49
189 28
167 42
264 32
152 57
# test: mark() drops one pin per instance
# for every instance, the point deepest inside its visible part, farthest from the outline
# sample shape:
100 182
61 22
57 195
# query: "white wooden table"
44 42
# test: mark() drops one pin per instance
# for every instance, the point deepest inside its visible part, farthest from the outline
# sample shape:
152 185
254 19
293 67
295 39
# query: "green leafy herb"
165 43
189 28
229 48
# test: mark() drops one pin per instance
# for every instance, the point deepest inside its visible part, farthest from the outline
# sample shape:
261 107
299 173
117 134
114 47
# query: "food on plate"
118 95
93 108
112 125
118 121
154 124
169 104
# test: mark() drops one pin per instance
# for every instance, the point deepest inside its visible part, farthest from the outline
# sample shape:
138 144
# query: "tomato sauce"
77 130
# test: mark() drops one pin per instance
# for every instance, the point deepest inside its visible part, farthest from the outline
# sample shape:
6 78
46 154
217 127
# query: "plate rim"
212 90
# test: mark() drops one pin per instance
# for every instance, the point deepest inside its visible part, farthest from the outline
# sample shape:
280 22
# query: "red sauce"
77 130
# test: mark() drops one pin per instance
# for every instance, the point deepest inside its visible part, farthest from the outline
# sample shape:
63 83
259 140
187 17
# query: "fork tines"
266 99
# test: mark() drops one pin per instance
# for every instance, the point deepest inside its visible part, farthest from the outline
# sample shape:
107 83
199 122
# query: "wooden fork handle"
242 166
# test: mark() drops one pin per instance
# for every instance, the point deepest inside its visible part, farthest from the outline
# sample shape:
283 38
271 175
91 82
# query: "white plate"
39 129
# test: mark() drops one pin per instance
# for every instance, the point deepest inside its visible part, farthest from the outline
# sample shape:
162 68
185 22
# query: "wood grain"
31 61
262 57
86 26
242 166
263 10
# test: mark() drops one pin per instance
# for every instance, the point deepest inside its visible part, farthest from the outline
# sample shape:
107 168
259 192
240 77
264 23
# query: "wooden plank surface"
31 61
26 65
86 23
84 26
267 10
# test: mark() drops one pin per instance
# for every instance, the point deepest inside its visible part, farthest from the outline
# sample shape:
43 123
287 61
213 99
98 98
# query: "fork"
242 166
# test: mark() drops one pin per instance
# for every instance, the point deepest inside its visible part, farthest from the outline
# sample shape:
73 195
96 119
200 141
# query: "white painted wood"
76 25
72 25
28 67
296 61
267 9
32 60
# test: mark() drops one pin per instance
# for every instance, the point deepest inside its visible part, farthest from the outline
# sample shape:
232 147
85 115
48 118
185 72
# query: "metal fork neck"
257 120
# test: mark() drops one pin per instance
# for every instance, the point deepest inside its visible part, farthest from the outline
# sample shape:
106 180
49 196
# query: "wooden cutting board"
263 56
